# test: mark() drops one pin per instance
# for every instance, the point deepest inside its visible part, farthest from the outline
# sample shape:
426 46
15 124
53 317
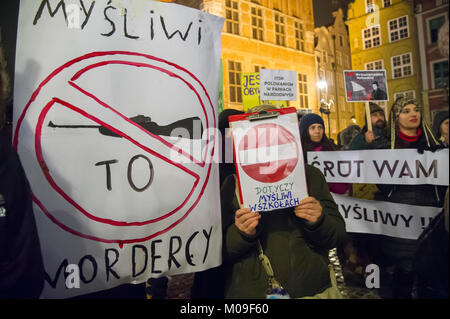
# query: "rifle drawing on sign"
145 122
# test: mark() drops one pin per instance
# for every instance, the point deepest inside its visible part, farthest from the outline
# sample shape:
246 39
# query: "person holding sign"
287 247
314 139
408 130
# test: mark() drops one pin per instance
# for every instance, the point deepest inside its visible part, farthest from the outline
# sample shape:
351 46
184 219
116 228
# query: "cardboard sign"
250 92
269 159
99 92
364 86
278 85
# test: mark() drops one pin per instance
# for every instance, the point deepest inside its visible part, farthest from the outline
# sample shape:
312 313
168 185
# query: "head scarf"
397 108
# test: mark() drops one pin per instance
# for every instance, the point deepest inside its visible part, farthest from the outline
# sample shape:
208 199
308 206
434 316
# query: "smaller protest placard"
269 159
250 92
364 86
278 85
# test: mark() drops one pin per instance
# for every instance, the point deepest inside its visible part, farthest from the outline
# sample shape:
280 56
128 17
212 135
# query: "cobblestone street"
179 286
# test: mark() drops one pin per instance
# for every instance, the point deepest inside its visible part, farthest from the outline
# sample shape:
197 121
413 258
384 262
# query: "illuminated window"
280 36
398 29
375 65
232 16
401 65
234 81
299 36
257 24
371 37
303 90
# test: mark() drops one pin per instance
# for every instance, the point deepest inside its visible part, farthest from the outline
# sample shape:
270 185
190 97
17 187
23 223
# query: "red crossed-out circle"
256 143
181 212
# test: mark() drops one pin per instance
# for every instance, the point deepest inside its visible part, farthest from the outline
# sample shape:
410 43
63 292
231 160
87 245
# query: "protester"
314 139
361 249
346 136
408 130
295 241
21 266
377 137
440 127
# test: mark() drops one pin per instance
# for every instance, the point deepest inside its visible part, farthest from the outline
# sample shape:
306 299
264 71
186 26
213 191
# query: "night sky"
323 10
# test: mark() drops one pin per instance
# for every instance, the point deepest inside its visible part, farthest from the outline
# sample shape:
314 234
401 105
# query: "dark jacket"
21 266
297 251
359 142
418 195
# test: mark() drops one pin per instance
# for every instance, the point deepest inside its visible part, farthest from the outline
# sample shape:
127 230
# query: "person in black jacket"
408 130
21 265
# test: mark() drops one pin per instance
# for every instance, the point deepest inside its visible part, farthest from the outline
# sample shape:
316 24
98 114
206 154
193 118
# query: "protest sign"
362 86
269 159
250 92
384 218
278 85
99 90
400 166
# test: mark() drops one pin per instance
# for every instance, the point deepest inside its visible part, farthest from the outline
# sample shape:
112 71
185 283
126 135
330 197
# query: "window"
440 74
257 24
324 55
338 58
258 68
398 29
370 6
280 36
371 37
435 25
409 94
401 65
375 65
232 16
234 78
387 3
299 36
341 41
303 90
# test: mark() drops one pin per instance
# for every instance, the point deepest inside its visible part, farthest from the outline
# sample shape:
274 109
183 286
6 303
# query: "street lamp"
325 105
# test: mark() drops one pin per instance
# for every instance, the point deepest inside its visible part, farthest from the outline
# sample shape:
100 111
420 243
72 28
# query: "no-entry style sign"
268 153
269 159
108 121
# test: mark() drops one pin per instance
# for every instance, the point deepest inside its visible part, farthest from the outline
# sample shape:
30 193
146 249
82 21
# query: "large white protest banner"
269 159
99 87
405 166
384 218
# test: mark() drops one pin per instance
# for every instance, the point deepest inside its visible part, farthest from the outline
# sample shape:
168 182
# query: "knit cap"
438 119
308 120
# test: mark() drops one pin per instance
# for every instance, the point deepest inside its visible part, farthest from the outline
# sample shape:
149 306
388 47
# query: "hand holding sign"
247 221
309 209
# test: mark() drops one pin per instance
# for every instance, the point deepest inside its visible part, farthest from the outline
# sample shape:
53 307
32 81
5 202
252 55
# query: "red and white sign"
269 160
268 153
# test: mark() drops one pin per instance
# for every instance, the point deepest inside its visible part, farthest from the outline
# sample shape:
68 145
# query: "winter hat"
223 119
308 120
375 108
438 119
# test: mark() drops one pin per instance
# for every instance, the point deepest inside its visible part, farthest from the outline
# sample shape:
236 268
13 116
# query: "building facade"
383 35
332 51
271 34
431 16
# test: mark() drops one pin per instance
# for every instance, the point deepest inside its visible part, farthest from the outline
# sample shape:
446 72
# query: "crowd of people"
283 254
